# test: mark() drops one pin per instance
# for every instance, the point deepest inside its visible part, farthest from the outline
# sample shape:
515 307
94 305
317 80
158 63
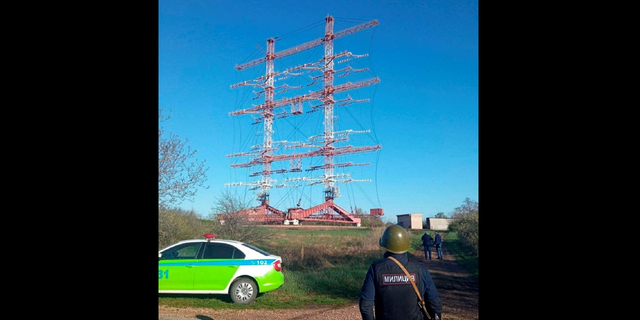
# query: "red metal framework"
265 155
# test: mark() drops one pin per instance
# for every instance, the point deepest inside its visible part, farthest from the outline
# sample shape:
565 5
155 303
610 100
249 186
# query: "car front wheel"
243 291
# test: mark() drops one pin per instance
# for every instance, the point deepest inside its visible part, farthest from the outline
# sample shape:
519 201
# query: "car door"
176 267
219 263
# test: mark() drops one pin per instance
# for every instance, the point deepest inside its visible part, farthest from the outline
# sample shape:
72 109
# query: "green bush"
466 225
467 230
177 224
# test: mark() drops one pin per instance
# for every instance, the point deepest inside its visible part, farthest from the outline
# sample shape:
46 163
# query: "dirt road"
456 287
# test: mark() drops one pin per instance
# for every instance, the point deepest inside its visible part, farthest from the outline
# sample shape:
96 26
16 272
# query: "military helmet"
395 239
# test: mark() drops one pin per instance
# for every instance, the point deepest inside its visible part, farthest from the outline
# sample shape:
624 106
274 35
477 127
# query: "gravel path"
322 313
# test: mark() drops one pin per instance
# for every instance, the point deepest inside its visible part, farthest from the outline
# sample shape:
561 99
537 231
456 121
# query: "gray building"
438 224
410 220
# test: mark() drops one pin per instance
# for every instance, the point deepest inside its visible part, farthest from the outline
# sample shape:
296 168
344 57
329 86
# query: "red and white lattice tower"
324 146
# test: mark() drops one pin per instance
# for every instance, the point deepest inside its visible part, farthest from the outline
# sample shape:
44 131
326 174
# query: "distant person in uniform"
427 242
438 244
388 293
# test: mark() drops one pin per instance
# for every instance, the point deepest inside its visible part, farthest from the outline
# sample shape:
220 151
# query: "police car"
216 266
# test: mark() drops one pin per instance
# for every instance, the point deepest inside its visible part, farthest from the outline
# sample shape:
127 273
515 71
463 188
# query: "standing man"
438 244
388 289
427 241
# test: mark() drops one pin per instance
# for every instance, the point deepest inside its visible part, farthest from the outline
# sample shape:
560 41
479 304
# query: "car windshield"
257 249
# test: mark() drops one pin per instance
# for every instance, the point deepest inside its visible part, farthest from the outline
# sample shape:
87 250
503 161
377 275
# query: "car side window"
184 251
221 251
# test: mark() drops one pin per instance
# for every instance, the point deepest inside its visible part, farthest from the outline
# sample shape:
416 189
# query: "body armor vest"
395 296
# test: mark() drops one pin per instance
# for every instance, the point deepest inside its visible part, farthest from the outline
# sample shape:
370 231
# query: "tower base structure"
264 214
324 212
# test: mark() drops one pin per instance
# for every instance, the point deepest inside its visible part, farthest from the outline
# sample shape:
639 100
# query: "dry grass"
323 250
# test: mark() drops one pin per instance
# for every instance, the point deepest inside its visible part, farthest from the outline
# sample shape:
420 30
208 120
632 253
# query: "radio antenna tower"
323 144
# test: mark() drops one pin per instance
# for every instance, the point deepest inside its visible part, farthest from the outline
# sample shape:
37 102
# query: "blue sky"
423 112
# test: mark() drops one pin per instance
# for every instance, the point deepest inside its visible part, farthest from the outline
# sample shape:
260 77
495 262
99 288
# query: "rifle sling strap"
412 282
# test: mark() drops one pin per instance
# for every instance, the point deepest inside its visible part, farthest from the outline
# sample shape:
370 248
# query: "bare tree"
468 207
232 221
179 173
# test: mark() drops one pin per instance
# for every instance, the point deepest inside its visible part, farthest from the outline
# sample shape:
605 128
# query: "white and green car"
216 266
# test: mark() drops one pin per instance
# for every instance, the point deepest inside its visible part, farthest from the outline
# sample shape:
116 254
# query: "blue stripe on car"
255 262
